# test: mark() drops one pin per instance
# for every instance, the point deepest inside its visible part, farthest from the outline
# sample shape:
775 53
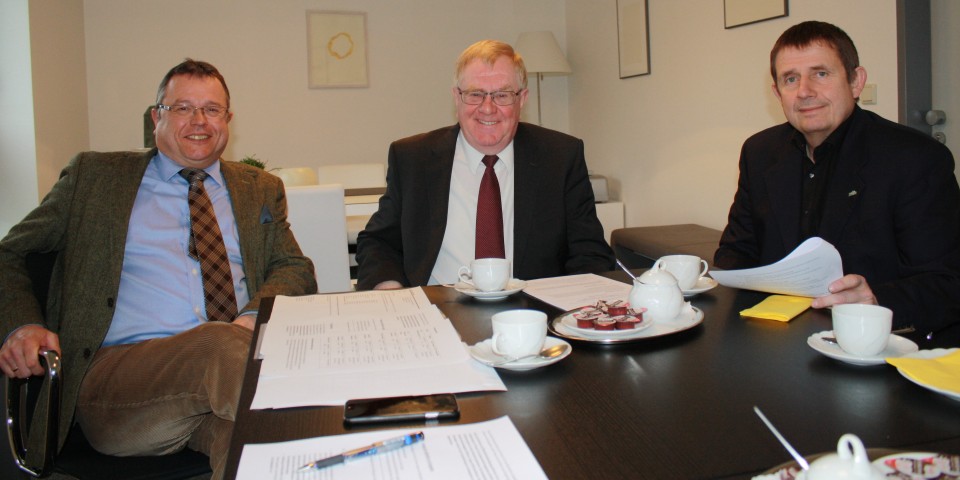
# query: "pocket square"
265 215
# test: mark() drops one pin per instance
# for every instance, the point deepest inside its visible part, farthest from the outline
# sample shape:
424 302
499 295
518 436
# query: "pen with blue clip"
373 449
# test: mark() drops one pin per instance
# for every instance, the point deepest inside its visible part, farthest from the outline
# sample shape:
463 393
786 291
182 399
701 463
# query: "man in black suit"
885 195
425 227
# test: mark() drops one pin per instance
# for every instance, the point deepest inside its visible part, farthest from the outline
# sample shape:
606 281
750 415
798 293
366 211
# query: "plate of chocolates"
604 323
606 320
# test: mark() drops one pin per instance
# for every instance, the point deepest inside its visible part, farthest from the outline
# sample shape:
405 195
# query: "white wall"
59 86
670 140
43 100
260 47
18 171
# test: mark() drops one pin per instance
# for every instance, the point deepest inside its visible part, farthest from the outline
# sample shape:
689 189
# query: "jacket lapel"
124 187
524 199
241 183
436 181
846 184
783 186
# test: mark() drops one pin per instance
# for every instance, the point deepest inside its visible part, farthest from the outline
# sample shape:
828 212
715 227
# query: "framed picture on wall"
336 49
634 38
737 13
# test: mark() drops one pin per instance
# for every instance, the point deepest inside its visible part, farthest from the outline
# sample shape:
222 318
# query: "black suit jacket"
556 230
892 209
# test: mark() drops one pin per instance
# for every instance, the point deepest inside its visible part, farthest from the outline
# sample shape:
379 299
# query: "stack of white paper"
575 291
327 349
475 451
806 272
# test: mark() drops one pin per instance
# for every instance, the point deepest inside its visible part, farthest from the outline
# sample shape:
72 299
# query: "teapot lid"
657 276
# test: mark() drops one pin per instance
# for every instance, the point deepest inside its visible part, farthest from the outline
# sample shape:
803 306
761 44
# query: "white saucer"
513 286
704 284
897 346
482 353
927 354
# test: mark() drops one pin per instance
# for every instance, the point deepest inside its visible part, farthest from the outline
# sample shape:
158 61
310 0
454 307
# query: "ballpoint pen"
372 449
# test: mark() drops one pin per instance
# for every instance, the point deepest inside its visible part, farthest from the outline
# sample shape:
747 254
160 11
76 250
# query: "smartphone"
395 409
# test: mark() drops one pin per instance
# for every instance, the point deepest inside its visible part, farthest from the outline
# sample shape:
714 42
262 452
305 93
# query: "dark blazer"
892 210
85 217
556 230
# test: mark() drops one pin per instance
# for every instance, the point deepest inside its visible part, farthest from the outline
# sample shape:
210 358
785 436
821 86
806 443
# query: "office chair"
77 460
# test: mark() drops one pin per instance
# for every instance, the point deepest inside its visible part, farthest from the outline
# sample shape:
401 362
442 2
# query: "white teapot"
850 462
658 292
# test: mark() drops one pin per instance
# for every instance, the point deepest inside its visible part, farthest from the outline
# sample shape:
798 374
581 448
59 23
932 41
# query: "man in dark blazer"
185 378
883 194
424 227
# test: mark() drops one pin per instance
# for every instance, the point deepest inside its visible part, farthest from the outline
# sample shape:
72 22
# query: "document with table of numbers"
327 349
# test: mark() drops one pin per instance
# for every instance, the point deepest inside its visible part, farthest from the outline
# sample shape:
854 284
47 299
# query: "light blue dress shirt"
161 289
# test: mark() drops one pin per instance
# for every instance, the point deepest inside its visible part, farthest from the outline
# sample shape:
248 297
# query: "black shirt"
816 178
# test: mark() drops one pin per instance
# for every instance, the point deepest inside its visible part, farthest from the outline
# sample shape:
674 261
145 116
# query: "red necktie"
206 245
489 241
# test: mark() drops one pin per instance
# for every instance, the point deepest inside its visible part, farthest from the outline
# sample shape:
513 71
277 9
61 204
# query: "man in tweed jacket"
145 373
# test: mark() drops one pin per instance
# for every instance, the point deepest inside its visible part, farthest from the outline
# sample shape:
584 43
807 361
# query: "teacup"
518 332
688 269
486 274
850 461
862 330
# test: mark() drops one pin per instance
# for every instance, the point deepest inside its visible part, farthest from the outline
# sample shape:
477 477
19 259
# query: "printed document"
327 349
473 451
575 291
806 272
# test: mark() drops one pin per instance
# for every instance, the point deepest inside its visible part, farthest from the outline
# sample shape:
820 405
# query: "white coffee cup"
486 274
688 269
518 332
850 461
862 330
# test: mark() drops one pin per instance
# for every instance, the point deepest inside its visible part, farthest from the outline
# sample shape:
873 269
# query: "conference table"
677 406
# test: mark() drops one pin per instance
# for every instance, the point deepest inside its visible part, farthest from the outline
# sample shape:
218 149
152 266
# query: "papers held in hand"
806 272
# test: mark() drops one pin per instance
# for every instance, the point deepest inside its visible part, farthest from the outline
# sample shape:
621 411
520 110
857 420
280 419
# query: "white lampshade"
541 53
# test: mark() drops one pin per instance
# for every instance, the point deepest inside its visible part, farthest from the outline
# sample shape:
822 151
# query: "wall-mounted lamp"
541 54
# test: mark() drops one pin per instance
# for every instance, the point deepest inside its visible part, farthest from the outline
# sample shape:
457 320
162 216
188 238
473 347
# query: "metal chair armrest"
20 409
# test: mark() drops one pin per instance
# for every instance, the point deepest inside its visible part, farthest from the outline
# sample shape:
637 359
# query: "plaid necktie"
489 240
206 245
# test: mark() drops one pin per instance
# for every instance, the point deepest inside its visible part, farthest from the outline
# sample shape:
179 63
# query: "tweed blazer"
556 230
85 218
892 209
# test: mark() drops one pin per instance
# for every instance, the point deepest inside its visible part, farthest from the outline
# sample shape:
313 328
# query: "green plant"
252 160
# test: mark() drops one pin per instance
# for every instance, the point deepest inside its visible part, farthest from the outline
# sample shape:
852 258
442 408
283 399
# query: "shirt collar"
170 170
475 158
832 142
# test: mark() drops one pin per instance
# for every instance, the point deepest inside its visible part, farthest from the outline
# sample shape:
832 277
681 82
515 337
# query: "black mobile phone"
395 409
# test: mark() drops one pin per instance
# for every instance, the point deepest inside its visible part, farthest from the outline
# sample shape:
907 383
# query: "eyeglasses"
185 110
500 97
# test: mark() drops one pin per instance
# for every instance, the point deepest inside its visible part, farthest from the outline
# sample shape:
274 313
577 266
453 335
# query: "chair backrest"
297 176
356 175
318 220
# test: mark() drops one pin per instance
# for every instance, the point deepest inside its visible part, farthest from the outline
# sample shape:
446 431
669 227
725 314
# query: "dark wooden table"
679 406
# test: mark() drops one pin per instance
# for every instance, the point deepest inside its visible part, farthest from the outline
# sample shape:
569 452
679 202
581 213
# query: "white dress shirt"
459 238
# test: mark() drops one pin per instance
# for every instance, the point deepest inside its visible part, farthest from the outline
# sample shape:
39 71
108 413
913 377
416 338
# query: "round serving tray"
560 326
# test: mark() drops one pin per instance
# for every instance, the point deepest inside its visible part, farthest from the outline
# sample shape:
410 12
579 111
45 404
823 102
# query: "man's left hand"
849 289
